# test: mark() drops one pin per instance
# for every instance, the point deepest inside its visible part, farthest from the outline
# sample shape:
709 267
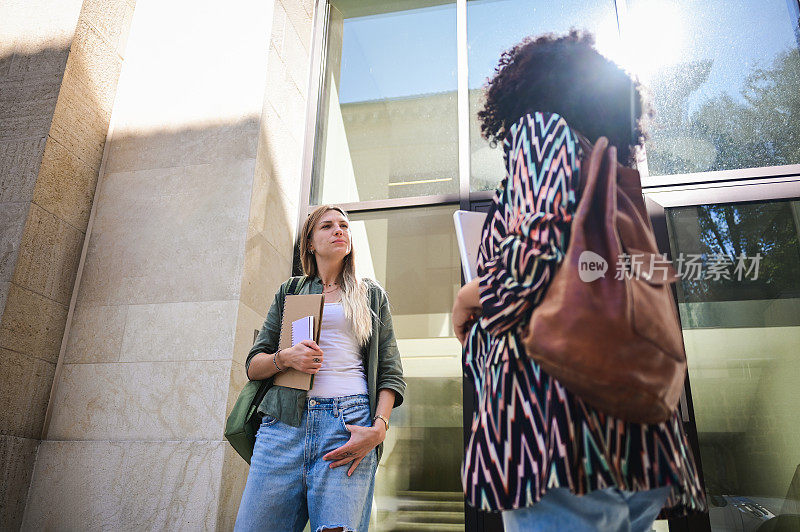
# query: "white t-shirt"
342 372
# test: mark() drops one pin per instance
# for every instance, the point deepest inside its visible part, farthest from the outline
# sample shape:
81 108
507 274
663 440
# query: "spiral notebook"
296 308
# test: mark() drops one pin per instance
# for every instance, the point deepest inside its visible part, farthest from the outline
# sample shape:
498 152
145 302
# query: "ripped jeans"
289 483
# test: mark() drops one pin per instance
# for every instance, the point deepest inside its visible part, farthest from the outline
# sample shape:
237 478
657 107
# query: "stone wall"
59 65
192 232
274 206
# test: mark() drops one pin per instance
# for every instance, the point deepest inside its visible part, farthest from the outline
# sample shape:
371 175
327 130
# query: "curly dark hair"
565 75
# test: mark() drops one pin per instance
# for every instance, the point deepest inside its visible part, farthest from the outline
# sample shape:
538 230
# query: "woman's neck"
329 272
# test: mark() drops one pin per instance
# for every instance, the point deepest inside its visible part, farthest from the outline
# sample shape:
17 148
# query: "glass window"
742 330
494 26
724 76
388 120
414 255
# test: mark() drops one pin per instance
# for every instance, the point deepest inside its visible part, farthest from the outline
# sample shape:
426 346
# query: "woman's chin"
338 253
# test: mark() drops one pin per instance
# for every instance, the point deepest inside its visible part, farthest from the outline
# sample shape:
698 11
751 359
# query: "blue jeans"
607 510
289 483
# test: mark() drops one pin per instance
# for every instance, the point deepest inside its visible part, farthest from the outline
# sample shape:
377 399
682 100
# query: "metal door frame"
658 200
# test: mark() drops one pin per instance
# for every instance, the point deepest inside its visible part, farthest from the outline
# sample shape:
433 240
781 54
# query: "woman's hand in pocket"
362 441
305 356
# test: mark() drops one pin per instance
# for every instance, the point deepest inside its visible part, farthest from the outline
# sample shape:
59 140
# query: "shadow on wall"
192 235
53 121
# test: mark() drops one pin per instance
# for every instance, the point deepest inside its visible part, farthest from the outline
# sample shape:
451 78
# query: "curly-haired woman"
537 452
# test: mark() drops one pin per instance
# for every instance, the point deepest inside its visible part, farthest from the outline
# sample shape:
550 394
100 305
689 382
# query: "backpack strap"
295 283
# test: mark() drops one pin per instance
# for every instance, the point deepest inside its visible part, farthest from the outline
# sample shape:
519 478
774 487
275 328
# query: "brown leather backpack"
616 343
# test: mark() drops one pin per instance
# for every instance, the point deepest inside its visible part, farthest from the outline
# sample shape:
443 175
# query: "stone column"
274 206
59 65
192 233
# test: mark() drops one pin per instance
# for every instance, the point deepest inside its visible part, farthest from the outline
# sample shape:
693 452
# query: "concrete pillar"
192 233
59 65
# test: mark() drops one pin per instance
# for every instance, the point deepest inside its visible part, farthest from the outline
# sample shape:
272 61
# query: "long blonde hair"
354 290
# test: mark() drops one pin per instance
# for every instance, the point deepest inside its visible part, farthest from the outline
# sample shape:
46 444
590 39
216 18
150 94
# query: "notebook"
296 308
303 329
469 228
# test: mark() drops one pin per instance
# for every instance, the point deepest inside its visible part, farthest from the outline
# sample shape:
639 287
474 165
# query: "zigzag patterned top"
529 433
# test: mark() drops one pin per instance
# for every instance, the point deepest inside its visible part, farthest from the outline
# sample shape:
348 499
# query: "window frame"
658 200
660 192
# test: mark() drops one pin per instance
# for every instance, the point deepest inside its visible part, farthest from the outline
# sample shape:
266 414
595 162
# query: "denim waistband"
336 403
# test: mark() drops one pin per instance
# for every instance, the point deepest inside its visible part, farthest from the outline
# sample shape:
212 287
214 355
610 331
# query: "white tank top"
342 371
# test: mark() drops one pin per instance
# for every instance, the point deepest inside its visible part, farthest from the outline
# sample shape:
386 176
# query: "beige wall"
744 390
192 232
274 206
59 65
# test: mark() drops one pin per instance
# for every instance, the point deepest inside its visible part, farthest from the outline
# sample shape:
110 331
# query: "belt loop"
336 407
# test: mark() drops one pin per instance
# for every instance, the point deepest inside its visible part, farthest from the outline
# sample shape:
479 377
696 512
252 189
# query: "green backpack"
243 421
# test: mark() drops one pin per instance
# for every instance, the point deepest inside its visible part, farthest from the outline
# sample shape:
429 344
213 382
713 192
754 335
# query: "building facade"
158 159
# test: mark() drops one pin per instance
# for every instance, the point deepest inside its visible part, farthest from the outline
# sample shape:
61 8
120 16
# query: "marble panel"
95 334
296 54
4 286
308 5
295 116
265 269
45 64
238 379
48 256
277 82
80 125
247 322
17 456
19 166
300 15
272 213
279 22
285 96
169 235
94 64
32 324
191 474
215 143
77 486
111 19
26 110
211 74
38 24
106 485
234 477
25 384
83 112
6 64
102 272
201 330
141 401
65 186
126 23
12 224
283 151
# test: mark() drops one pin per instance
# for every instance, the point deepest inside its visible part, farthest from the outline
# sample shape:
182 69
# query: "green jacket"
381 356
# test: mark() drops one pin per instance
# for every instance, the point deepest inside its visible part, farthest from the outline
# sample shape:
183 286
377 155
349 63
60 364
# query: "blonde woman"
316 452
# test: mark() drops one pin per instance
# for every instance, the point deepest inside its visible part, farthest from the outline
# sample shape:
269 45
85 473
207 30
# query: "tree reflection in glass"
732 98
742 342
750 229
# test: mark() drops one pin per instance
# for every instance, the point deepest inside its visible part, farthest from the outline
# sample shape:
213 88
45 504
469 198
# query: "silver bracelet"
275 361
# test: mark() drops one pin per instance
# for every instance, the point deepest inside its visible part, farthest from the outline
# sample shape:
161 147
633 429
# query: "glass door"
737 252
